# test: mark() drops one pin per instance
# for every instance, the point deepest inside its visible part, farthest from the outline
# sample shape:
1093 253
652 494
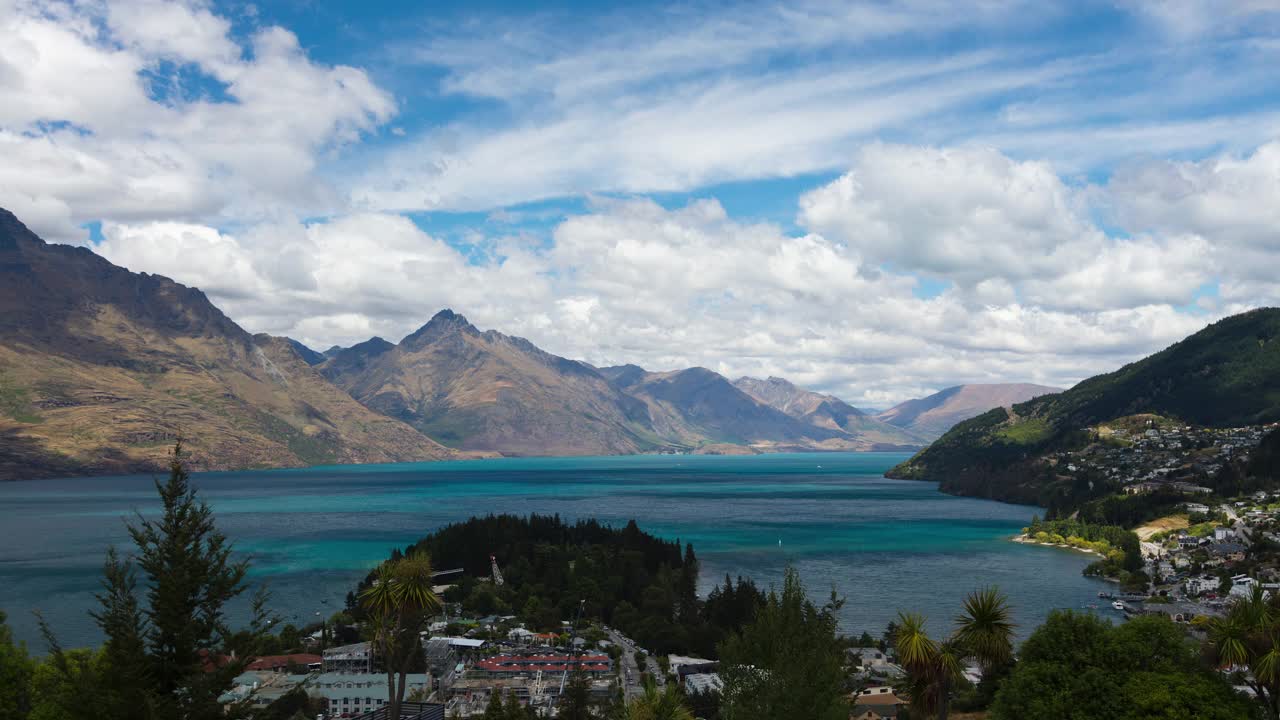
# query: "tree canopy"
1078 667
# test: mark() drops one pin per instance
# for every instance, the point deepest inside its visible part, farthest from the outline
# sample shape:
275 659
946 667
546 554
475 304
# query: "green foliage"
983 632
15 674
59 686
1246 637
1027 432
655 704
1103 539
641 584
788 662
164 658
575 703
397 605
1078 667
1226 375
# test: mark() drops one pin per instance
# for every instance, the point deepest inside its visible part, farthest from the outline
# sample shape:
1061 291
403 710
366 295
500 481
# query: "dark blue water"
883 544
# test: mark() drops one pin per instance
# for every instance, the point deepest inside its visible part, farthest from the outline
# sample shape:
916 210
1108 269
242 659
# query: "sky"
873 199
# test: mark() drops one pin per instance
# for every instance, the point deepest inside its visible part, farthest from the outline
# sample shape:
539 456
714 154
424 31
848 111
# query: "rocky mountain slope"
488 391
1226 375
101 369
930 417
482 390
826 411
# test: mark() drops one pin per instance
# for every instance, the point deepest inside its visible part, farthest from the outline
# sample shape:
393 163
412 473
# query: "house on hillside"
876 703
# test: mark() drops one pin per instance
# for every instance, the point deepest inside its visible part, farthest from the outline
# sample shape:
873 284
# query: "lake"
883 544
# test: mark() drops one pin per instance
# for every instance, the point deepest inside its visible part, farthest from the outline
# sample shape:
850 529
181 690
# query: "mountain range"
101 369
931 416
1226 375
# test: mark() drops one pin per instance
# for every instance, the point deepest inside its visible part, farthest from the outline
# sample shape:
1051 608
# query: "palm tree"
1248 636
666 704
983 632
398 603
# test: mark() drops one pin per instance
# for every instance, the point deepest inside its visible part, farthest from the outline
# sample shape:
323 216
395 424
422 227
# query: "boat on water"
1105 595
1118 605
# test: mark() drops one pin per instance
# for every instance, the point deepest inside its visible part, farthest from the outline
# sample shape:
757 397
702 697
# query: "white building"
356 658
355 693
1223 533
1241 586
703 683
1202 584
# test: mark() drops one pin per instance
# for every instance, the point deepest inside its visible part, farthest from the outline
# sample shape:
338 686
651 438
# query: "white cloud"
1229 203
630 281
95 125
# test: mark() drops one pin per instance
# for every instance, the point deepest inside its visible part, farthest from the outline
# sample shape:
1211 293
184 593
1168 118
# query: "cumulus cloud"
631 281
144 110
1003 230
956 244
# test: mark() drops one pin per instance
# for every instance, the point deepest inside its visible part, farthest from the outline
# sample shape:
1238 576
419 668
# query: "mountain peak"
11 228
445 322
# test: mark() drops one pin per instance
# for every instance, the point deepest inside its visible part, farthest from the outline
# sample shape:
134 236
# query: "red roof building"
509 665
281 663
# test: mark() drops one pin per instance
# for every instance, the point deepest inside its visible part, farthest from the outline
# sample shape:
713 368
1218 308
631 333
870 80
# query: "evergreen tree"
575 703
15 675
494 710
514 711
164 660
788 663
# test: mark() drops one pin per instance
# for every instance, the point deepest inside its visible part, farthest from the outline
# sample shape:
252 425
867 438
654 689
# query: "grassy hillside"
1226 375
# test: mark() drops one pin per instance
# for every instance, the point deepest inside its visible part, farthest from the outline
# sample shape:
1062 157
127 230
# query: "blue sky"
876 199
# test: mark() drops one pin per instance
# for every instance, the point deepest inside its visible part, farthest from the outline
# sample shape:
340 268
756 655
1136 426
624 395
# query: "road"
1241 529
629 672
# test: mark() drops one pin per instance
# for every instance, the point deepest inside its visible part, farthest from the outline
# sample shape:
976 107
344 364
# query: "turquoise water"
883 544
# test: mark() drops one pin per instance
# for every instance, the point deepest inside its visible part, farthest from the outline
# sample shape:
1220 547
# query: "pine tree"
788 662
15 675
575 703
494 710
190 578
164 660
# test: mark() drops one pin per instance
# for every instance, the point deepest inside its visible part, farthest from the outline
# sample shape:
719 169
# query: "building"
1202 584
1189 541
442 660
702 683
408 711
357 658
509 665
286 663
346 695
1222 534
876 703
682 666
353 694
520 635
868 658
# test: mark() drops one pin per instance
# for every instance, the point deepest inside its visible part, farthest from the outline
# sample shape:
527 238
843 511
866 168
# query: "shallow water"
883 544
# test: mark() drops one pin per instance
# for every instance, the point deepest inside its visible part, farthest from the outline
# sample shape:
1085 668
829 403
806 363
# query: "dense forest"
641 584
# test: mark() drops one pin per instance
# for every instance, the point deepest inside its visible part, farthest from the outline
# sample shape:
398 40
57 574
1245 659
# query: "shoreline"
1027 540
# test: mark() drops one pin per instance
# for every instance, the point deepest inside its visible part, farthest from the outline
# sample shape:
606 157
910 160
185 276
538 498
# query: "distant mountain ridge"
1226 375
825 411
483 390
101 369
929 417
